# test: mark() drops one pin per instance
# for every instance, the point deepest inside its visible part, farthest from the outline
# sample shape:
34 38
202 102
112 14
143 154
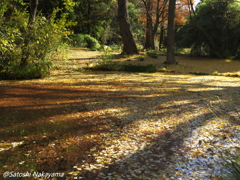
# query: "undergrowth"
105 63
137 68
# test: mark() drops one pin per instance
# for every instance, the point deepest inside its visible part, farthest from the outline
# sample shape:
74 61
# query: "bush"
77 40
84 40
152 54
36 45
137 68
31 71
92 43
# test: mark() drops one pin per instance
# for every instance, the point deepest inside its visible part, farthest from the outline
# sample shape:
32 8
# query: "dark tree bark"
149 42
170 33
25 51
129 45
152 25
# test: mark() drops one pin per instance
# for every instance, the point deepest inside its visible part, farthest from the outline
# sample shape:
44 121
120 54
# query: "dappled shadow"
80 109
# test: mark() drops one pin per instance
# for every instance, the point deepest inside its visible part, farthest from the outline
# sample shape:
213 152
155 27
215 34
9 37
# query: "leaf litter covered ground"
116 125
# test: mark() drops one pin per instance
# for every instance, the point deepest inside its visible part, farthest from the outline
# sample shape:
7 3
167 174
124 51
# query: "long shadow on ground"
64 118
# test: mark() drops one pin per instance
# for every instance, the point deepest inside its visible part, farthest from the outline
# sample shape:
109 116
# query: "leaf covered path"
111 125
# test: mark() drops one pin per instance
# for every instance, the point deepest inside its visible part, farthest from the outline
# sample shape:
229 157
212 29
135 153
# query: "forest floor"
118 125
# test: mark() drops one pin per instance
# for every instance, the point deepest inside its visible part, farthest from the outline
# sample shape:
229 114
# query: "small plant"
163 69
141 59
215 73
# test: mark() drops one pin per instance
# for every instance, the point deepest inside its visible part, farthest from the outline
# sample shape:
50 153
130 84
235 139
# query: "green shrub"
34 44
77 40
84 40
92 43
31 71
152 54
137 68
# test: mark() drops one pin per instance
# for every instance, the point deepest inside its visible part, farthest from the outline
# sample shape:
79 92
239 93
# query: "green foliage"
94 18
215 73
152 54
77 40
92 43
137 68
218 30
84 40
37 43
31 71
135 10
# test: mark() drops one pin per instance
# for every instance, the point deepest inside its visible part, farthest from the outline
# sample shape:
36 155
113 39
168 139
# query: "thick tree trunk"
149 41
129 45
27 40
152 25
170 33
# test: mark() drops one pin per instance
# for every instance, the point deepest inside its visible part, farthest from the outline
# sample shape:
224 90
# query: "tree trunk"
129 45
149 41
152 25
27 39
33 10
170 33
